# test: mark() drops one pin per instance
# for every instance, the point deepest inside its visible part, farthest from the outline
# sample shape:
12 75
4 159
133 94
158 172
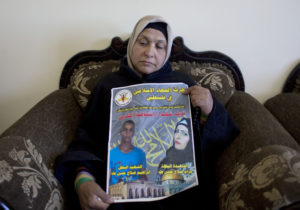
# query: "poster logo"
123 97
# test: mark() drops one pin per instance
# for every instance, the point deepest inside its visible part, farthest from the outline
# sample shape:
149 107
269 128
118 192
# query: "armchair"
259 170
286 105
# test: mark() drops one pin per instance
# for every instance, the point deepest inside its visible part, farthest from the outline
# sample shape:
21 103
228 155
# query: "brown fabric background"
286 108
258 128
51 124
268 178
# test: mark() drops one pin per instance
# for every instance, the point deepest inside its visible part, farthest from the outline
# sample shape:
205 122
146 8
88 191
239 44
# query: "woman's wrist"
83 175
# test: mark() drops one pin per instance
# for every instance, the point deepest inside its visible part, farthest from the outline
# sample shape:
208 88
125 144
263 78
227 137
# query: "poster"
151 149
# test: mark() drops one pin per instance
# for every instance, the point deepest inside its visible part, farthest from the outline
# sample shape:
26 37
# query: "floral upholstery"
25 168
214 76
268 178
86 77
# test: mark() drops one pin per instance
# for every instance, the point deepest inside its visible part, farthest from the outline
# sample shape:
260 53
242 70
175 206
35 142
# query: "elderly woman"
84 164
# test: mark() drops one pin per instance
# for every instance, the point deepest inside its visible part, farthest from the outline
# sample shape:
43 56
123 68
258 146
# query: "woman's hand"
200 97
92 196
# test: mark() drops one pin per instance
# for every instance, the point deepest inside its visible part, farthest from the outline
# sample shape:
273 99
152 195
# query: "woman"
85 161
180 155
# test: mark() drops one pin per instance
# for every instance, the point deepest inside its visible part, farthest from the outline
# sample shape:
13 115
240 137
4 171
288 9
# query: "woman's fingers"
92 196
103 196
200 97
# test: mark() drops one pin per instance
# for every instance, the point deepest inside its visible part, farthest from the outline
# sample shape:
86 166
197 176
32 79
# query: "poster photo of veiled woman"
177 172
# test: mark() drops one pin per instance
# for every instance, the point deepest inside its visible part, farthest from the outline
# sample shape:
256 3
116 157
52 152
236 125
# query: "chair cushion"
286 108
214 76
86 77
25 180
269 178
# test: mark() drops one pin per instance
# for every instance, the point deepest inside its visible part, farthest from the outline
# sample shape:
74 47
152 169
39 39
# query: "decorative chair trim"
180 52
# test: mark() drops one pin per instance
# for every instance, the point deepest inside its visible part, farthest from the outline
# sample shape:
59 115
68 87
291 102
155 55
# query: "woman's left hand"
200 97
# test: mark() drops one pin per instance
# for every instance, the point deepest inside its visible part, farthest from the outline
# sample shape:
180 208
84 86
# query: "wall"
38 37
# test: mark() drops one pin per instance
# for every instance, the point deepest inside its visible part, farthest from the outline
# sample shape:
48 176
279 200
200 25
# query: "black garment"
90 146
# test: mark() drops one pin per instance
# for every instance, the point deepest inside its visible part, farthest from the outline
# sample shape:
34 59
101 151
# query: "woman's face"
149 51
181 137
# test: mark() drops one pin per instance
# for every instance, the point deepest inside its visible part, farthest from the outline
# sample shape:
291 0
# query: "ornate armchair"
259 170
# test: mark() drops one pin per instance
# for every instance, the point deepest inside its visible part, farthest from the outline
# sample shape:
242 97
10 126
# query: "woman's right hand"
92 196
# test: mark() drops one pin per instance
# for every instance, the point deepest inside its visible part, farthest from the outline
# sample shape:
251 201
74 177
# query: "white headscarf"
139 27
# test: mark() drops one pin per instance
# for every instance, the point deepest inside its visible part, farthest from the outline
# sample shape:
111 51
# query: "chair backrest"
211 69
292 83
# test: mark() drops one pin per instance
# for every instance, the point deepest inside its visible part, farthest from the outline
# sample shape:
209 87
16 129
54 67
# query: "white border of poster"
148 171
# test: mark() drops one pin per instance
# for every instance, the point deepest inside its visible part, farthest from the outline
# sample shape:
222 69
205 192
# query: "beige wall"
38 37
